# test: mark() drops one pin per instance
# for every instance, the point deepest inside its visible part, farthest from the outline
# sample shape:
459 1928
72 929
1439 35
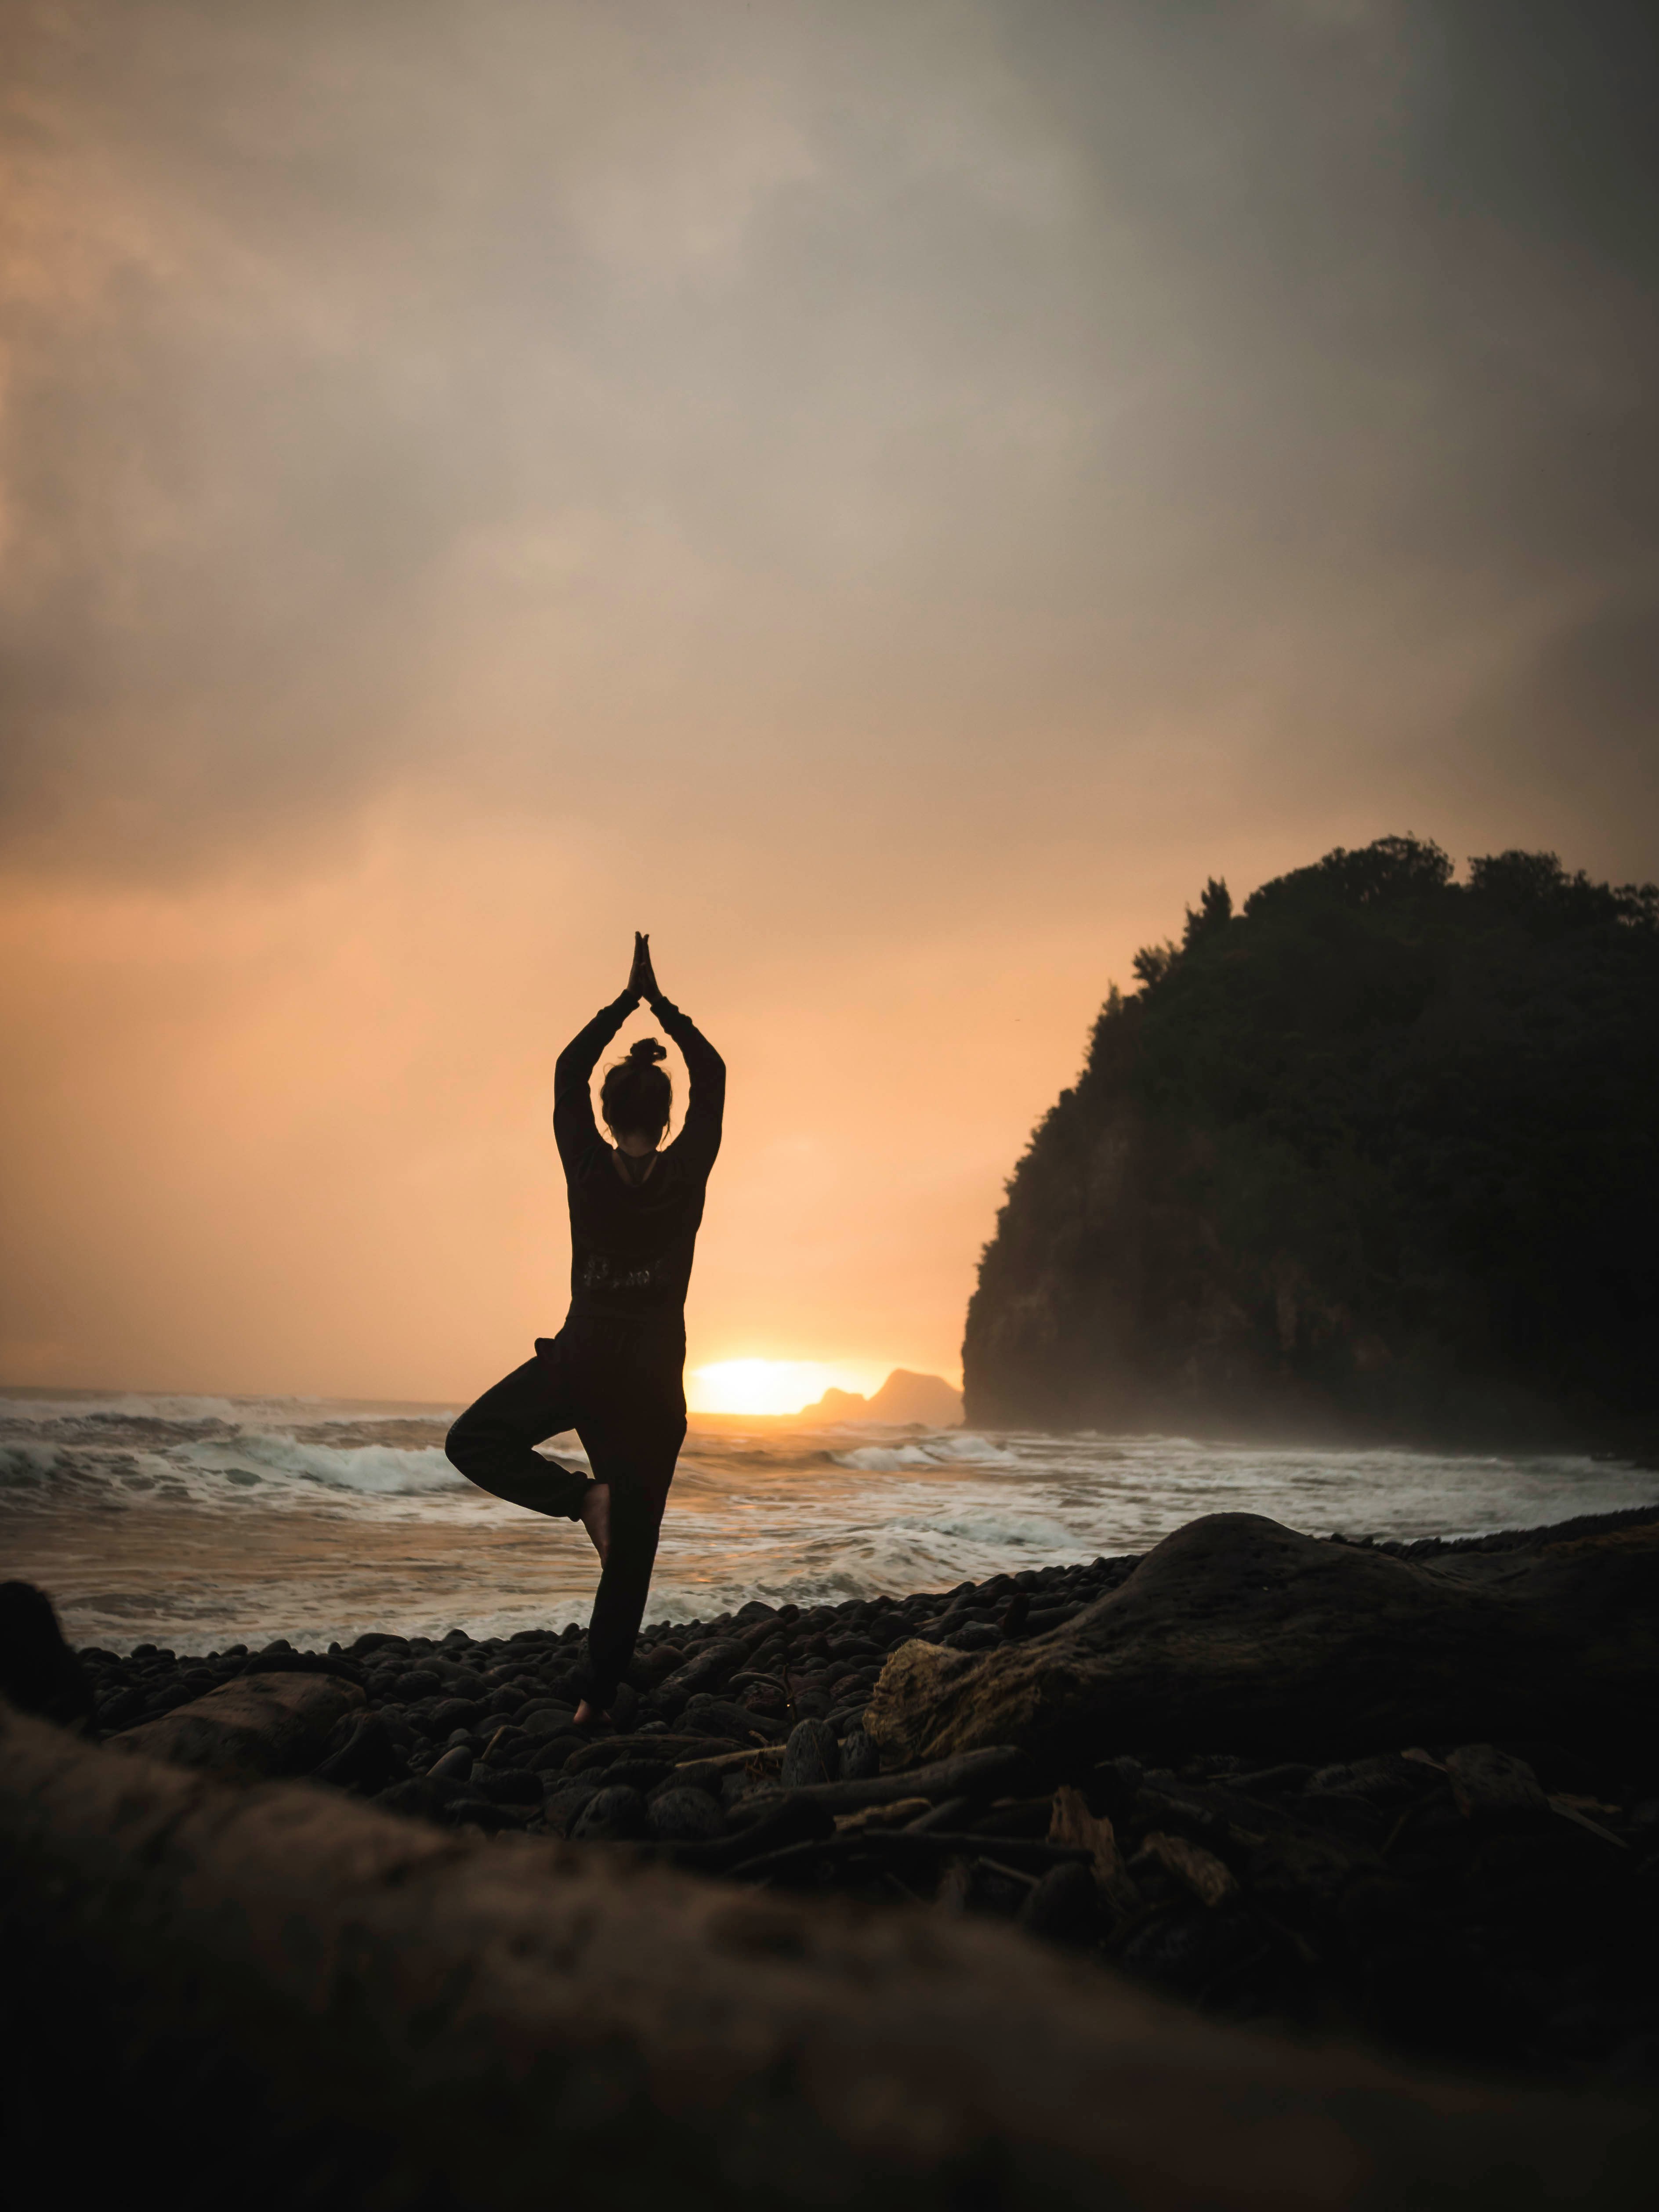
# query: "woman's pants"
619 1384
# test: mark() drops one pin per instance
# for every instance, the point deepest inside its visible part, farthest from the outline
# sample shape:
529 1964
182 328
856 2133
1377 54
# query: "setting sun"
770 1386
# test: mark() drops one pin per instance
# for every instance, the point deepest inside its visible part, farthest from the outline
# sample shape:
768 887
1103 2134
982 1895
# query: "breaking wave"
201 1519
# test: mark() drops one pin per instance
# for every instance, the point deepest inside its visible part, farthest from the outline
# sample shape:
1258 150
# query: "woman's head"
636 1095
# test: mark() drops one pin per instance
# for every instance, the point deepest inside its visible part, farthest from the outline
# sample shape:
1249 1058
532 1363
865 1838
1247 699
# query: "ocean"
198 1522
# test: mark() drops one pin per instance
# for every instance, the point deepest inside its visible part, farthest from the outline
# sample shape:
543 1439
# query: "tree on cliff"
1381 1150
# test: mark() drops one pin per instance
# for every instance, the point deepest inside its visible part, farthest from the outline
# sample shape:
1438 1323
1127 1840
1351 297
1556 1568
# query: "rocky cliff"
1376 1155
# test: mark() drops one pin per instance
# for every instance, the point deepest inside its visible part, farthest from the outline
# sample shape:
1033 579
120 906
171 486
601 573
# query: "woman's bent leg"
491 1442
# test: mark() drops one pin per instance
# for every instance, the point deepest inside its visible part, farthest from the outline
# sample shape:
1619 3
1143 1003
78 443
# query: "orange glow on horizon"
773 1386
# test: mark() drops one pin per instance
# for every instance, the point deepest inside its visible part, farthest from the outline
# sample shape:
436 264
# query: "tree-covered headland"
1378 1155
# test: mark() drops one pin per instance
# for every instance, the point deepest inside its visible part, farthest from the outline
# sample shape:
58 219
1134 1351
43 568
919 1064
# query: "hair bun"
648 1049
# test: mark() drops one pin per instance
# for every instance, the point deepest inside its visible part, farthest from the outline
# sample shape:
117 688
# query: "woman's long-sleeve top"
631 1244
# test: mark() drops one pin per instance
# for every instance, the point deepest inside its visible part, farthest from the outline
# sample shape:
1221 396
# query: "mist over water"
203 1522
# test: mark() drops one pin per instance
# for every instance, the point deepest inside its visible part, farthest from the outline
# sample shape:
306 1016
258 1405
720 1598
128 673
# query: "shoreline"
197 1578
414 1535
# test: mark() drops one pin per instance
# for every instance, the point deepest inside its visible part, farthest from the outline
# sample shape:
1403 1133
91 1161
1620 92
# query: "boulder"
1238 1633
368 1760
39 1672
298 2000
255 1727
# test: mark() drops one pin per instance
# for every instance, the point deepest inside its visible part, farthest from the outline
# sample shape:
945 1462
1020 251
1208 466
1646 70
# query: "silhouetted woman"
615 1372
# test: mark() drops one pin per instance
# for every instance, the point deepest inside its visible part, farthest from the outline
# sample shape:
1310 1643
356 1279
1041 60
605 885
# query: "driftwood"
1071 1822
1487 1784
295 1999
968 1773
1236 1634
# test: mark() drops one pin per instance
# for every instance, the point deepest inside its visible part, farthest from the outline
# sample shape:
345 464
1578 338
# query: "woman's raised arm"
700 1136
574 1125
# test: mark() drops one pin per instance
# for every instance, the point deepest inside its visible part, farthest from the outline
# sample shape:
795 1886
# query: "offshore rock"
298 2000
255 1727
1236 1631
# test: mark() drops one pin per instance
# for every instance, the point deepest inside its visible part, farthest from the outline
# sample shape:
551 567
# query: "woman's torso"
632 1244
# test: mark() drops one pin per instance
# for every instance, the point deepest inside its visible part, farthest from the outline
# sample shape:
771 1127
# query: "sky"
888 496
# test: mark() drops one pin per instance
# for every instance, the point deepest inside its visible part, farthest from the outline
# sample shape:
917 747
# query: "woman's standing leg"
633 1451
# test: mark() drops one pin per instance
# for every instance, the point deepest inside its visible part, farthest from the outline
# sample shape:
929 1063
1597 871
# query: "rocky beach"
1403 1792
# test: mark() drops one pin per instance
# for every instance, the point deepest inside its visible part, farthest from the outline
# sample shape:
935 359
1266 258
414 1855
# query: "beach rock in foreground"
39 1672
297 1999
1235 1631
255 1727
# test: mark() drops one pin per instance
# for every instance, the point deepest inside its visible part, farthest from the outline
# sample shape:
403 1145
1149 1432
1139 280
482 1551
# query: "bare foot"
595 1518
587 1714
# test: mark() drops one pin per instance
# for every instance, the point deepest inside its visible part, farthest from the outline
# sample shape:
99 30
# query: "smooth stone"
548 1758
506 1785
1065 1907
713 1656
415 1799
811 1754
368 1760
546 1719
612 1815
563 1805
685 1816
860 1758
718 1716
484 1812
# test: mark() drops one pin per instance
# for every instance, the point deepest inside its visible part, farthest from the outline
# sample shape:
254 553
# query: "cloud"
399 395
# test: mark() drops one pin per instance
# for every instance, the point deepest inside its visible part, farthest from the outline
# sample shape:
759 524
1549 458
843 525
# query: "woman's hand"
641 980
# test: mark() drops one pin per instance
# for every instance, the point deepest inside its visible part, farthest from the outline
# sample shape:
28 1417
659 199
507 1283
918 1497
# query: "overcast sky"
888 497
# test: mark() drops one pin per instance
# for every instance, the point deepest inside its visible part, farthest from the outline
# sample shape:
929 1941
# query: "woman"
615 1372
